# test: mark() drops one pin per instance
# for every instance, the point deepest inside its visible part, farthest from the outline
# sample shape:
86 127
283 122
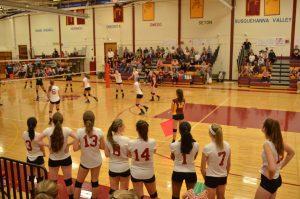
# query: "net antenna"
226 4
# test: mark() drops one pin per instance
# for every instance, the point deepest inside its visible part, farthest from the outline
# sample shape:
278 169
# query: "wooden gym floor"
240 111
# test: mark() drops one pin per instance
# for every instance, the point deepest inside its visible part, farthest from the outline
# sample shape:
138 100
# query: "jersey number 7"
223 154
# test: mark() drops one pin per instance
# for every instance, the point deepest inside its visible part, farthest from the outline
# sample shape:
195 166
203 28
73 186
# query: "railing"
18 178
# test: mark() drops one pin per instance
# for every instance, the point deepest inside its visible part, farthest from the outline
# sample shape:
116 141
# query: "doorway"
108 46
23 54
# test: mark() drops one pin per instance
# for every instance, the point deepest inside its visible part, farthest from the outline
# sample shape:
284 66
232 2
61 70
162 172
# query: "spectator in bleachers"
266 76
251 59
272 56
296 53
55 53
247 45
261 61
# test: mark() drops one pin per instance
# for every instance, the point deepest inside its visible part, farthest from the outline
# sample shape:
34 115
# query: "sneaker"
158 98
142 113
146 108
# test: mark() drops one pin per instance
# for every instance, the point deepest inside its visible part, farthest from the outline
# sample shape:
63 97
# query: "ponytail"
117 123
186 138
179 93
57 137
31 124
216 131
273 133
142 128
89 120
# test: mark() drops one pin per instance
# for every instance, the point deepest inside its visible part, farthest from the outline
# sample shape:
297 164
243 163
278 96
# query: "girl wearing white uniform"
87 89
35 152
119 83
142 150
54 98
59 151
273 160
184 152
139 97
89 140
215 163
117 150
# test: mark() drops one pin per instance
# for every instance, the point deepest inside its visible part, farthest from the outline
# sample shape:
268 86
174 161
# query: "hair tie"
211 130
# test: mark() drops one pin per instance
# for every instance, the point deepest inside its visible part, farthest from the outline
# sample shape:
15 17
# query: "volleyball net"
50 68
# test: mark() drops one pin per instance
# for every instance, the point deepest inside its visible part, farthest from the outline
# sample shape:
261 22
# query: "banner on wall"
272 7
252 7
80 21
196 8
148 11
118 13
70 20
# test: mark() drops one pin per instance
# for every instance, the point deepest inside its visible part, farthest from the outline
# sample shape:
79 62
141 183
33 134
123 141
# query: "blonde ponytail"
217 133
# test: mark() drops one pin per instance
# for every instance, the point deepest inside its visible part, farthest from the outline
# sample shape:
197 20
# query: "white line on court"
210 113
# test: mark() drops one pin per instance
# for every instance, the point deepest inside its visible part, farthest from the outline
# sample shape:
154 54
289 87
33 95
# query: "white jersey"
53 94
90 147
60 155
184 162
264 168
118 160
137 88
118 78
142 158
33 149
86 82
136 75
217 159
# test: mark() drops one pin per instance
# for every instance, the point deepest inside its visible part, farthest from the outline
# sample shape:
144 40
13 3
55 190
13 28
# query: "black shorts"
123 174
39 83
151 180
139 96
69 79
38 161
57 102
86 167
270 185
214 182
58 163
178 117
87 89
29 76
181 176
119 83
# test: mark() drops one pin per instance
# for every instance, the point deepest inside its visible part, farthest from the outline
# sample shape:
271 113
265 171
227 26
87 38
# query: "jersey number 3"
223 154
144 155
94 141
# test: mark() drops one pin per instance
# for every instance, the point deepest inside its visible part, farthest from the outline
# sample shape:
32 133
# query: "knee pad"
121 90
67 85
68 182
78 184
57 109
137 105
95 184
70 84
84 95
153 195
50 112
111 191
174 130
117 90
89 94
